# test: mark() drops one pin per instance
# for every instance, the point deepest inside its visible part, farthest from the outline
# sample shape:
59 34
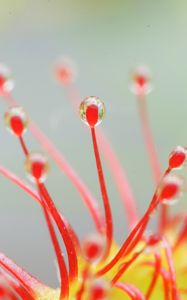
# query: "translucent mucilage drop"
93 247
141 81
65 70
37 167
153 242
177 157
92 111
98 289
6 82
16 120
170 189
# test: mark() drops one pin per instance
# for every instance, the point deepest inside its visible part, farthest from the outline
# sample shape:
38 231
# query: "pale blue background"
106 39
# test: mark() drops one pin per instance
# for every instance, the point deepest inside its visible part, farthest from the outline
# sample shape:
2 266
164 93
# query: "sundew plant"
147 265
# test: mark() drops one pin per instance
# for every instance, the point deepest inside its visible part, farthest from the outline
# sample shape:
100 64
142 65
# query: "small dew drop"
65 70
16 120
177 158
6 81
153 242
99 289
170 189
92 111
141 81
93 247
37 167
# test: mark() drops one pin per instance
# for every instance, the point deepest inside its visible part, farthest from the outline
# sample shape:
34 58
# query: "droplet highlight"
92 111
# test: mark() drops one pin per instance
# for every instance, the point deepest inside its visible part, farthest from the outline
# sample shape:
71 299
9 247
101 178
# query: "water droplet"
37 167
16 120
93 247
65 70
92 111
6 82
99 289
153 242
177 157
170 189
141 81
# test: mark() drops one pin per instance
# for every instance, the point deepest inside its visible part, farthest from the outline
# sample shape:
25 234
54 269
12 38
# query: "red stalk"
172 273
140 227
31 285
165 278
14 288
182 235
148 138
114 165
149 142
70 247
64 286
72 256
155 275
106 203
89 200
23 146
131 290
125 266
20 182
80 292
126 289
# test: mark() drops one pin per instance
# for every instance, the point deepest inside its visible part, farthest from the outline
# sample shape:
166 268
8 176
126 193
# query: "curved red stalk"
164 218
155 275
80 292
172 273
64 285
125 266
165 277
20 182
137 238
120 179
15 287
70 247
181 236
107 209
31 285
131 290
114 165
89 200
148 138
62 267
23 146
126 289
138 230
31 192
124 247
149 142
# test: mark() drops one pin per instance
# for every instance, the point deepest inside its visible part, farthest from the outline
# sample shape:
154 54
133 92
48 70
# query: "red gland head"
16 121
37 167
170 189
65 70
99 289
177 157
153 239
6 83
92 111
93 248
152 243
141 78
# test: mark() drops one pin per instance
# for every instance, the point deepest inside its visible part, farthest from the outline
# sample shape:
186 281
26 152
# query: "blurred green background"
106 39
